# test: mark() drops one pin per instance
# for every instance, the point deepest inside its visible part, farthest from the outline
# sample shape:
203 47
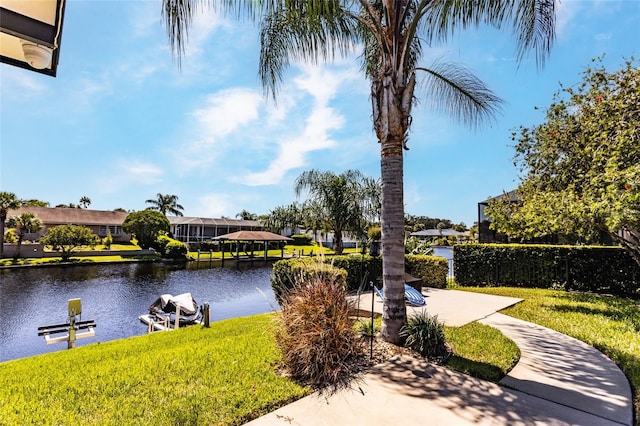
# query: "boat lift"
71 327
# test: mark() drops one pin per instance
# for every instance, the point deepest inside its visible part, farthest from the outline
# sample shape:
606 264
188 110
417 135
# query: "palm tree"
26 223
392 34
8 201
166 204
247 215
85 201
338 200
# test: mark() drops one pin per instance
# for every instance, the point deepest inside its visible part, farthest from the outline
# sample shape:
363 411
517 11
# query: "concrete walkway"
558 381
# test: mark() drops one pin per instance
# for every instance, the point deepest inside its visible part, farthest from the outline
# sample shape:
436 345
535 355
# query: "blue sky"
121 122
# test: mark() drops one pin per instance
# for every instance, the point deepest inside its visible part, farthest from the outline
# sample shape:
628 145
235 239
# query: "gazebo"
251 237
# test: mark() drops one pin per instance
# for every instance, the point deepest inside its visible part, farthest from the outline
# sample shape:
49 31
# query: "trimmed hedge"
359 270
301 240
582 268
289 273
432 270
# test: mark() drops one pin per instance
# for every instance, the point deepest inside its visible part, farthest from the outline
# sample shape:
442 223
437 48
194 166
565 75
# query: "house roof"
36 23
220 222
253 236
62 215
437 233
513 196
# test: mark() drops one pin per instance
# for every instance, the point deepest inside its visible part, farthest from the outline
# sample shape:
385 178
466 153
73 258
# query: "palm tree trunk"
337 242
394 310
16 255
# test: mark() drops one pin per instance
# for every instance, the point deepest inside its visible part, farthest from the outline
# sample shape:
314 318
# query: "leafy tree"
119 209
67 238
26 223
85 202
283 217
582 165
391 34
146 225
340 201
34 203
8 201
166 203
68 206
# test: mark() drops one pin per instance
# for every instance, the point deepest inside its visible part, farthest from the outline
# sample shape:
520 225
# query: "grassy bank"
221 375
610 324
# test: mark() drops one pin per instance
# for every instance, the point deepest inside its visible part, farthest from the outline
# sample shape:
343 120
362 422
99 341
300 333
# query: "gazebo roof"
253 236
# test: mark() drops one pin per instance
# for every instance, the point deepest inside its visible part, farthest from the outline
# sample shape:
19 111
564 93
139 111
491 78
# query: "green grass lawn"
225 374
610 324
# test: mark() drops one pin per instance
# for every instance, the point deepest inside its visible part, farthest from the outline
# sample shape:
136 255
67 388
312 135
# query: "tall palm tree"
166 204
392 34
338 199
8 201
246 215
26 223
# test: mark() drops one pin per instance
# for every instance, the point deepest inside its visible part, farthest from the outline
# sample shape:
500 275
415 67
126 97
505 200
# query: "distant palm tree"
166 204
8 201
85 201
26 223
340 201
246 215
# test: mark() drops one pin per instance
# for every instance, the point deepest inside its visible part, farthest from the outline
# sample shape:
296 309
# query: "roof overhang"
30 34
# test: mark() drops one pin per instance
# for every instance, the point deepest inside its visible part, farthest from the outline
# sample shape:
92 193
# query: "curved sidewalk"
557 381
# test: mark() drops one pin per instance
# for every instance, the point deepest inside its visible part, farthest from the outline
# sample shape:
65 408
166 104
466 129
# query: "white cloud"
213 205
226 111
127 174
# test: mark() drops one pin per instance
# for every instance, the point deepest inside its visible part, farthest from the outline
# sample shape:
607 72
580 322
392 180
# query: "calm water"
114 296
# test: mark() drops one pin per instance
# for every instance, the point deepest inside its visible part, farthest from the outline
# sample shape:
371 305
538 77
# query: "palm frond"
459 93
533 21
310 31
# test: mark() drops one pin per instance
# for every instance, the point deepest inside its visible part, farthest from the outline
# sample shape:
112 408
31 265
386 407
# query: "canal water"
114 296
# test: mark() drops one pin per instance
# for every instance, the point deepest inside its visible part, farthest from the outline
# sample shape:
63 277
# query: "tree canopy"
26 223
345 202
67 238
146 226
165 203
582 164
390 35
8 201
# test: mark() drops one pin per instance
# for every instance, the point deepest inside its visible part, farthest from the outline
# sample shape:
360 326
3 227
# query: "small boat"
163 312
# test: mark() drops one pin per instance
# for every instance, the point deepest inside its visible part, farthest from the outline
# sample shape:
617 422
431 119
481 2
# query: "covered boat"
167 305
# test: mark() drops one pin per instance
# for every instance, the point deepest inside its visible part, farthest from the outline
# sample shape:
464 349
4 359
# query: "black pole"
372 328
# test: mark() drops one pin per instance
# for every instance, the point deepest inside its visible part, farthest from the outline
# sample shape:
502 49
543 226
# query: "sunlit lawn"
610 324
225 374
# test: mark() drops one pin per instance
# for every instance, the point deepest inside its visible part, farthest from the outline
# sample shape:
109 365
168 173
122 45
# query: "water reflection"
114 296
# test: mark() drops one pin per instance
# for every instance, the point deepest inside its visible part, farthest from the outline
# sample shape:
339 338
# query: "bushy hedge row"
287 273
301 240
432 270
359 270
583 268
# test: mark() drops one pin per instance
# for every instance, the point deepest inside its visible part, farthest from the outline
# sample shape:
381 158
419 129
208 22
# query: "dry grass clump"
316 335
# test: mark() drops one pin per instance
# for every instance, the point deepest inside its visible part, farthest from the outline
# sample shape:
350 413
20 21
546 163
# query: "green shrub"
170 248
360 269
316 335
425 334
582 268
432 270
176 250
289 273
301 240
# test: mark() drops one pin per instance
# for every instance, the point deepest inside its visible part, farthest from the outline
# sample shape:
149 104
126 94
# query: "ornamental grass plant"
316 334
